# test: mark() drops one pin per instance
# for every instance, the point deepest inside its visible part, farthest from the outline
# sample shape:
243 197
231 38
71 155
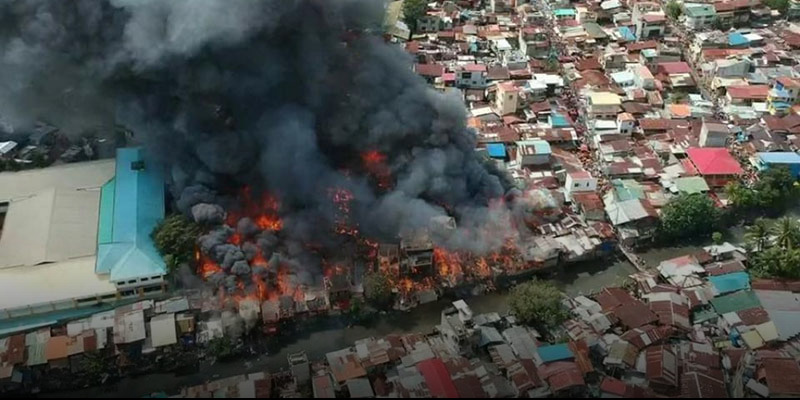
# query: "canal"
332 334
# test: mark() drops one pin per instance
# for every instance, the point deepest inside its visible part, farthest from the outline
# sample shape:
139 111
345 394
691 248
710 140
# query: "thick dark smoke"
284 96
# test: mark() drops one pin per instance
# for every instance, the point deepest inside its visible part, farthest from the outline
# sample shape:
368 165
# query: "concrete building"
507 98
579 181
788 159
649 20
699 16
472 76
48 237
131 205
533 152
713 134
604 105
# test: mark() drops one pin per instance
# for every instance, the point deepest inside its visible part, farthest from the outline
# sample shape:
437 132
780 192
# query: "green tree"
175 239
220 347
688 216
413 10
775 188
538 303
777 262
787 233
740 197
674 10
780 5
716 237
757 234
378 289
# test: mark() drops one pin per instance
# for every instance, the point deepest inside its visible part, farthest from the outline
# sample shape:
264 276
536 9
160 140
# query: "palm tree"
787 232
757 234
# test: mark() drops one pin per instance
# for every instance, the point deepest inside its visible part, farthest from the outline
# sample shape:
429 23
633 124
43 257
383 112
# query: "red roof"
788 82
430 70
723 6
611 298
438 379
475 68
15 350
635 314
674 67
613 386
714 161
654 18
699 385
566 379
636 46
783 377
588 63
654 124
755 92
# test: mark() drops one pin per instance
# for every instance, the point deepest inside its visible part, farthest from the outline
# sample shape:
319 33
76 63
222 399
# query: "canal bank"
322 336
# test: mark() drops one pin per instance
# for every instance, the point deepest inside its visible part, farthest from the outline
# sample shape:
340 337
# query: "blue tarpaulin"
737 39
730 282
627 34
558 121
555 352
496 150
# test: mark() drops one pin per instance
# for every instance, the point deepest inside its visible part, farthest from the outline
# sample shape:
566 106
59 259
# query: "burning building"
289 129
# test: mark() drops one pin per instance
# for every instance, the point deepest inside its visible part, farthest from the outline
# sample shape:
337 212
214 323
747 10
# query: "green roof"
691 184
627 189
699 10
735 302
105 223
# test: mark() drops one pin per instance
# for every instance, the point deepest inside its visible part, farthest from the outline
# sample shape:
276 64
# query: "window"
577 184
145 279
509 97
132 282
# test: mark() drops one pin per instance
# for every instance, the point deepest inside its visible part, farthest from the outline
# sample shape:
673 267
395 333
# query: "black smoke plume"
282 96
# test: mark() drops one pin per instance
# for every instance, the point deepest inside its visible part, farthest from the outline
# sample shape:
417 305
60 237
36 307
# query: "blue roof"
780 157
558 121
730 282
737 39
138 206
564 11
555 352
627 34
496 150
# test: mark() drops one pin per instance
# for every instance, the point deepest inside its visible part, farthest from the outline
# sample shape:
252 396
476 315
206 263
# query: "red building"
714 164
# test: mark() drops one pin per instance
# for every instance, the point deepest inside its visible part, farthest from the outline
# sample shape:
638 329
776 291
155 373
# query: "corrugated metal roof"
138 207
162 330
732 282
735 302
780 157
555 352
93 174
105 222
50 226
